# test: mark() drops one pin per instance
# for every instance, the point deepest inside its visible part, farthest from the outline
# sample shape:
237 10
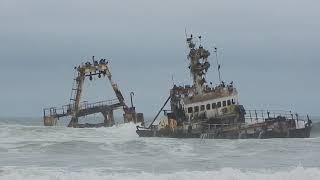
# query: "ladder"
74 91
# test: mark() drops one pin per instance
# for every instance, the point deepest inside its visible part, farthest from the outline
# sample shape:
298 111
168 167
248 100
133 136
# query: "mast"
218 65
199 64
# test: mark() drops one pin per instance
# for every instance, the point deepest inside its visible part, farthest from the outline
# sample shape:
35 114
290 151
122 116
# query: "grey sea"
29 150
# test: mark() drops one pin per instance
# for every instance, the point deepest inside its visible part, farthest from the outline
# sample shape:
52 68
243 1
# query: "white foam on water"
181 149
13 137
16 133
71 153
298 173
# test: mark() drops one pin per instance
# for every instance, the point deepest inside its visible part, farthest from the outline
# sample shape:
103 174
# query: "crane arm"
115 88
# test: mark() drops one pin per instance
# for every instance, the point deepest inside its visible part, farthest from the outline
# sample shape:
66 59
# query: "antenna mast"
218 65
199 65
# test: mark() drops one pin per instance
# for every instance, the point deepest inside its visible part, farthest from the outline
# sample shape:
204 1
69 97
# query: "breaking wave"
298 173
31 152
315 132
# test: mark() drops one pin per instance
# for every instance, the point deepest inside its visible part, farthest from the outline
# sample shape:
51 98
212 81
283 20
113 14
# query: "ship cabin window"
224 103
233 101
208 106
214 105
202 108
190 109
219 104
196 109
228 102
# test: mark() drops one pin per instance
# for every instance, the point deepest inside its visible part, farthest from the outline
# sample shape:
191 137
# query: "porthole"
196 109
214 105
202 108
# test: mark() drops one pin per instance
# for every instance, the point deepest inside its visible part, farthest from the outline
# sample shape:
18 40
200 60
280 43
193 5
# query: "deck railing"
85 105
256 116
260 116
66 110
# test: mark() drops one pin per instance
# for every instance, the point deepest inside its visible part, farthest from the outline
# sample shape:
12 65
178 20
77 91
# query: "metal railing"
260 116
66 110
85 105
256 116
57 111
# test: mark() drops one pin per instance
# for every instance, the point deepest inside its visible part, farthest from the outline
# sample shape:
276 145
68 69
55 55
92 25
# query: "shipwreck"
75 108
203 110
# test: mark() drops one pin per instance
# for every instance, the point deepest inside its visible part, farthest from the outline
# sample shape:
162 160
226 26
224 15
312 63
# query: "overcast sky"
270 49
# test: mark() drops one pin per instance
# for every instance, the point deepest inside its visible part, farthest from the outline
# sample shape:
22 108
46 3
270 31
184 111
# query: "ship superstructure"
202 101
204 110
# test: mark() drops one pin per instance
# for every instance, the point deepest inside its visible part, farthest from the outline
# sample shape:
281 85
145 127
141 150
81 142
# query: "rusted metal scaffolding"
76 109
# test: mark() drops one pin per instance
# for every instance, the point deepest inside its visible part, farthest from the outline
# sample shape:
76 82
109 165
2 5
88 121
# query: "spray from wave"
315 132
118 153
299 173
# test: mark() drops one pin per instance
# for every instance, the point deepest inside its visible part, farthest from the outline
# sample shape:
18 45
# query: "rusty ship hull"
254 131
301 133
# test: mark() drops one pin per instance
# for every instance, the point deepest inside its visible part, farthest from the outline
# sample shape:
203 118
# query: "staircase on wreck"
75 109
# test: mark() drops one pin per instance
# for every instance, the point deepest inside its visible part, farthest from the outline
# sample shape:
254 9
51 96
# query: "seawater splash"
315 132
20 133
37 152
299 173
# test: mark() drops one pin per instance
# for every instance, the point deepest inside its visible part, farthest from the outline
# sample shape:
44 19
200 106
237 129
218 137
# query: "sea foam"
298 173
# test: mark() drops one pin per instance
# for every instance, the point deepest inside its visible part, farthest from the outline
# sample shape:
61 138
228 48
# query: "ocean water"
29 150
